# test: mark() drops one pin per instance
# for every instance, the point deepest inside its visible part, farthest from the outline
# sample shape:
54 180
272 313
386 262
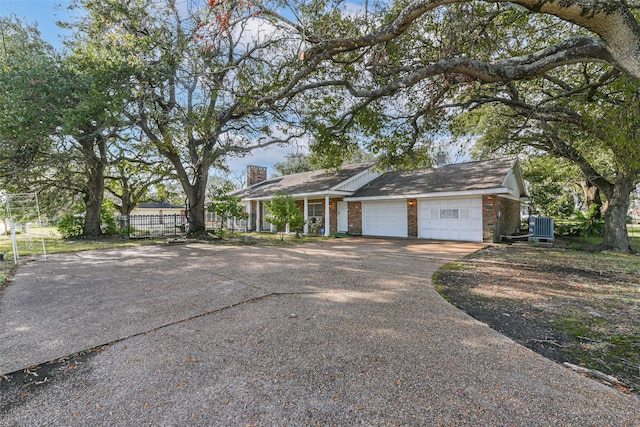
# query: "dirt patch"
569 306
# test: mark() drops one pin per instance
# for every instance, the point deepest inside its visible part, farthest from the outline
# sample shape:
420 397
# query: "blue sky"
44 13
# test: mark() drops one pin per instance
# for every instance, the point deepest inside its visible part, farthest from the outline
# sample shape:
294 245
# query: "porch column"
248 210
258 216
306 215
272 227
327 217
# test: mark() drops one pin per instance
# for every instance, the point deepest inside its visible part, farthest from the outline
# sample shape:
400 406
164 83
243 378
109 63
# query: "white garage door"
387 219
450 219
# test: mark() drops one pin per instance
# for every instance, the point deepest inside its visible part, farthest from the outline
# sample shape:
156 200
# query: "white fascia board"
503 191
319 194
330 193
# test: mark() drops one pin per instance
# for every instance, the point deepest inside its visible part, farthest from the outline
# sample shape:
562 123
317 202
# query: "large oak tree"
60 118
210 82
410 63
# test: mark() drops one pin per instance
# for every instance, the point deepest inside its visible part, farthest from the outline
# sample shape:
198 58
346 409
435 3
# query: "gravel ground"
341 332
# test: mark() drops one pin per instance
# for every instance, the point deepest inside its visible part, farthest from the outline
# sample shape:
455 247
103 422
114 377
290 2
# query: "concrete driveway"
341 332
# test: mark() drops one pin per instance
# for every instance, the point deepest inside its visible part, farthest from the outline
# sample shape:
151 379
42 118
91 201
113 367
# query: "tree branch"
617 28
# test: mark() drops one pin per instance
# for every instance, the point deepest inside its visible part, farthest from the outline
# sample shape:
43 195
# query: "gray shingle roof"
480 175
303 183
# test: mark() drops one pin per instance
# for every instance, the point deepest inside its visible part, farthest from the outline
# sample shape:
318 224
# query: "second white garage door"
387 219
451 219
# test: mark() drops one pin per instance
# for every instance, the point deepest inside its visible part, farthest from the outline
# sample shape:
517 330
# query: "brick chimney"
255 174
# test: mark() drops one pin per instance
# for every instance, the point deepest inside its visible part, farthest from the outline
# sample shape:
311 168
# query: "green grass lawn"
31 245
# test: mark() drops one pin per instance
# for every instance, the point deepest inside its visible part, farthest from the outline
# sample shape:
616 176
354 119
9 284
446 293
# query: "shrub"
283 210
71 225
582 227
108 218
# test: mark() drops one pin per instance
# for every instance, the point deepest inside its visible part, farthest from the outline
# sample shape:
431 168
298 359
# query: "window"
315 209
449 213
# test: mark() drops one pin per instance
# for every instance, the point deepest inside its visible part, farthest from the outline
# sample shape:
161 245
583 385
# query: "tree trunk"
196 193
93 200
127 202
592 198
616 237
617 194
195 213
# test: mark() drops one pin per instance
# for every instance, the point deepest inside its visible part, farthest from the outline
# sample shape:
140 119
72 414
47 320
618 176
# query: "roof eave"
317 194
503 191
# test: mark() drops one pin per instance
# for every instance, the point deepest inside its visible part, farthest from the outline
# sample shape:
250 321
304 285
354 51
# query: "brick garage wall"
509 217
489 212
355 218
412 217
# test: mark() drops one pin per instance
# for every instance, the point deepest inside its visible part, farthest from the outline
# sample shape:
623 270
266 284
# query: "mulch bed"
569 306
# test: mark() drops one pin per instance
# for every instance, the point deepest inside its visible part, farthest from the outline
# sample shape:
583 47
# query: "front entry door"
343 217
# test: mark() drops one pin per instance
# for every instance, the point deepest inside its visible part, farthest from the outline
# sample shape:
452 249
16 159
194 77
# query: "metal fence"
213 223
153 226
174 225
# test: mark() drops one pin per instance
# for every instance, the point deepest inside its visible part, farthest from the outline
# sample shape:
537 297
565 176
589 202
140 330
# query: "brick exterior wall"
355 218
333 212
252 218
412 217
492 227
509 221
489 211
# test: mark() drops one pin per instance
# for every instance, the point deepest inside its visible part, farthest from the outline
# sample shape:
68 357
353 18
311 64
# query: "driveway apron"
340 332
